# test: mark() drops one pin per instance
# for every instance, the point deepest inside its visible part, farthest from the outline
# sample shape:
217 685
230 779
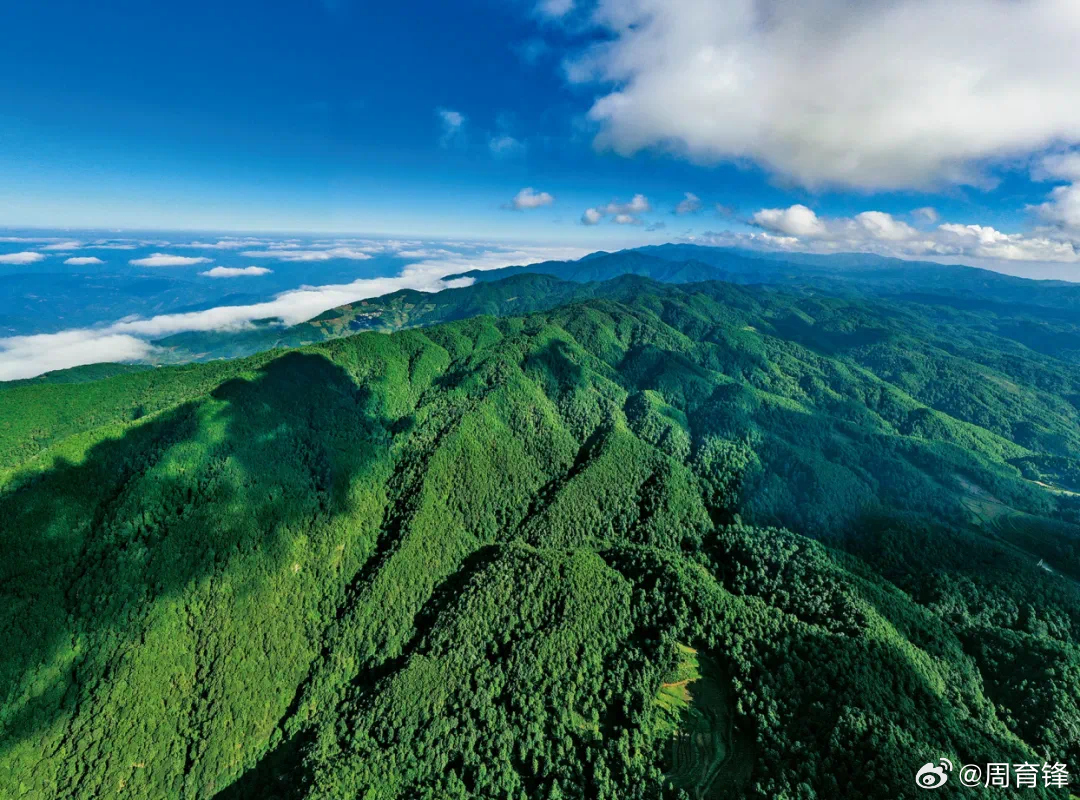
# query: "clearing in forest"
694 708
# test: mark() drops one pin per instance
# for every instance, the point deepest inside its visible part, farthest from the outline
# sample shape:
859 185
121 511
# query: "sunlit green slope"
471 560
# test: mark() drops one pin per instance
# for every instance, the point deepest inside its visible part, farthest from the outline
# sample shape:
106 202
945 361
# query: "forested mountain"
1035 308
840 273
667 541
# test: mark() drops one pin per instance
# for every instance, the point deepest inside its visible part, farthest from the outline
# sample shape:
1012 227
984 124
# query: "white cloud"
798 220
224 244
425 252
82 261
452 119
166 260
235 272
1062 208
926 214
799 229
24 257
1060 166
69 245
293 254
453 127
26 356
986 242
689 204
885 227
874 95
504 145
555 8
623 213
591 217
530 198
637 205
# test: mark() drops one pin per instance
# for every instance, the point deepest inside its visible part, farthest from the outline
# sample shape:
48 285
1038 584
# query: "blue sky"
327 116
296 116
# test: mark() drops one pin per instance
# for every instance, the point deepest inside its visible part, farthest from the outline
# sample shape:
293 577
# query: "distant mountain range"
1033 307
839 273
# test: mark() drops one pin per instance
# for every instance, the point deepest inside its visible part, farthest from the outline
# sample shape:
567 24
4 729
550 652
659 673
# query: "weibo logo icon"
931 777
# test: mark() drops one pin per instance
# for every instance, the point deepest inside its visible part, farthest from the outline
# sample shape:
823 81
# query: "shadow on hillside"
282 774
555 366
177 501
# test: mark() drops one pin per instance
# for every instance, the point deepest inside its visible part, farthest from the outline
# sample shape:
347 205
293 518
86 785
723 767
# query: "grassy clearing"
1054 543
694 710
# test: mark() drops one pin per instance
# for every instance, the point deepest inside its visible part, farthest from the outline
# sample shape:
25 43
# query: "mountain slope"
466 560
517 294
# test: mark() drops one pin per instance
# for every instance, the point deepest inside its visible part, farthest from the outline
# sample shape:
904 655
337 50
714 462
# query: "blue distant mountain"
841 273
1032 308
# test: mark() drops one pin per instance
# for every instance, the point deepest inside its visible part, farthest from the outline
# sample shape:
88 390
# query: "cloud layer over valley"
130 339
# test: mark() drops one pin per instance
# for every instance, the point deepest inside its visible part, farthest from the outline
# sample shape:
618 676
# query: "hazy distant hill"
839 273
605 266
1025 310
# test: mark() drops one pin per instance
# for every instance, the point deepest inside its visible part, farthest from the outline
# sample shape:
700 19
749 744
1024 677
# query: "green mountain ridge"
469 560
526 289
839 273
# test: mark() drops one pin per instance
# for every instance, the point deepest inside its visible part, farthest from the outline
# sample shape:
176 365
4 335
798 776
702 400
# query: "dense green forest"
690 540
